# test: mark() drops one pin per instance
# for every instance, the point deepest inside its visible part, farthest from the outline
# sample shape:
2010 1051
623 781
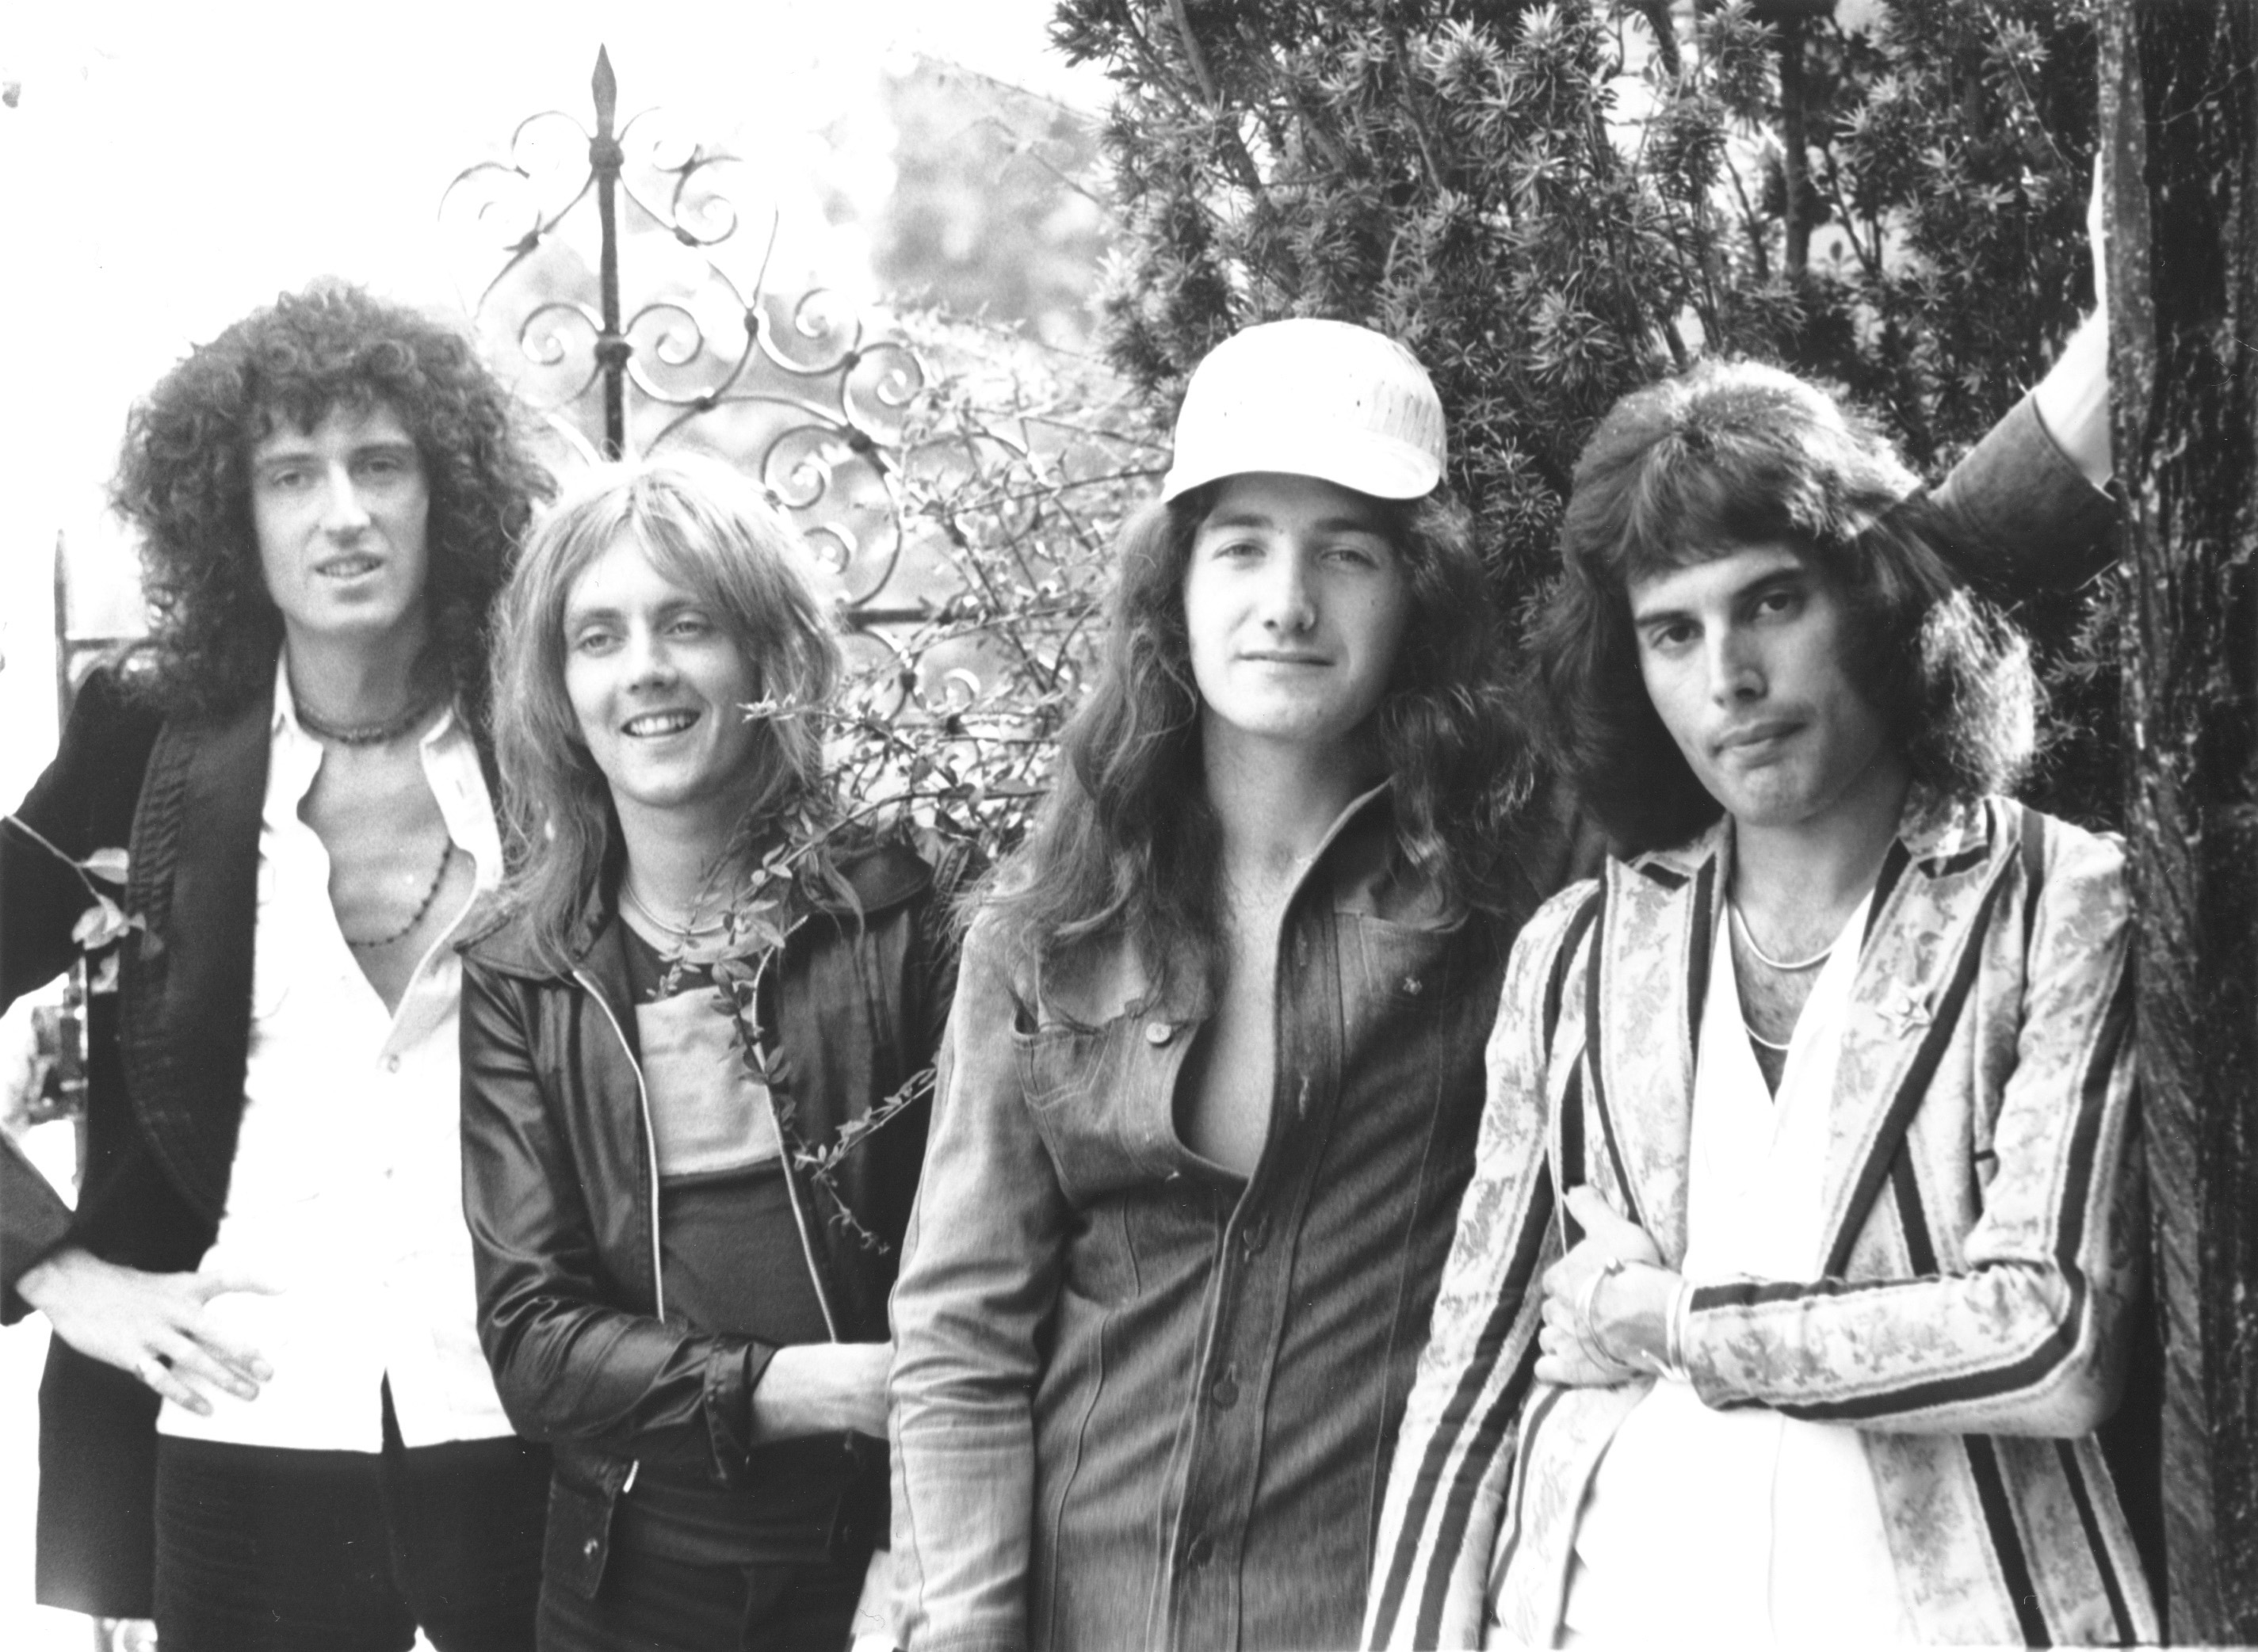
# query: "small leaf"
98 925
109 865
105 974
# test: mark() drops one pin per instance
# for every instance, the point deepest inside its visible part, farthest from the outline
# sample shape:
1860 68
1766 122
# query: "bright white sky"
168 166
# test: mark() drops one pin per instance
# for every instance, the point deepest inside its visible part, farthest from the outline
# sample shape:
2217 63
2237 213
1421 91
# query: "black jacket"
560 1194
165 1066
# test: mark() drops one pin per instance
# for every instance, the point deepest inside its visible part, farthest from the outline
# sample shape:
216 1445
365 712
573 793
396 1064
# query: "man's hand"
823 1388
152 1324
1574 1353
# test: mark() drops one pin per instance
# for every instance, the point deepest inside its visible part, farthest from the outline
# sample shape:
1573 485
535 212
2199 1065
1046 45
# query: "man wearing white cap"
1209 1095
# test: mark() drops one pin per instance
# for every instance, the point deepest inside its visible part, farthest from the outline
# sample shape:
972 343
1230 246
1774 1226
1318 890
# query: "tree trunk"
2180 127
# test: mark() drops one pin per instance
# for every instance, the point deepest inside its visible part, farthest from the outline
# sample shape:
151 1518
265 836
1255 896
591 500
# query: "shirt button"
1158 1032
1225 1391
1253 1238
392 1064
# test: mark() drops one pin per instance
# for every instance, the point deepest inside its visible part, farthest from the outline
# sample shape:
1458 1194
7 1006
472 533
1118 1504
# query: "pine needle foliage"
1554 203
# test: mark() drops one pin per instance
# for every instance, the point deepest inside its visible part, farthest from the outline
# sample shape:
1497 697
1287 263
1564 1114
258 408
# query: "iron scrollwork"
793 391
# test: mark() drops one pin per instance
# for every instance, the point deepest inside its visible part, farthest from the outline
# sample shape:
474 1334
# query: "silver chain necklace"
1785 965
684 933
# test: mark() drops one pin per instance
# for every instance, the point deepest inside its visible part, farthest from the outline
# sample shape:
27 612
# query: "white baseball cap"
1311 398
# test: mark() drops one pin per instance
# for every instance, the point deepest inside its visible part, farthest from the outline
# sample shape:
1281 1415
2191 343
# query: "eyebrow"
1798 572
577 614
262 456
1352 524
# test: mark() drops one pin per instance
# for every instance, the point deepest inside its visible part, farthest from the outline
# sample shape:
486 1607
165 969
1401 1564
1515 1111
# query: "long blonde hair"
709 530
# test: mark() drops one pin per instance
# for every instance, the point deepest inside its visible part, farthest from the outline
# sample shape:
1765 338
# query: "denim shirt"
1138 1401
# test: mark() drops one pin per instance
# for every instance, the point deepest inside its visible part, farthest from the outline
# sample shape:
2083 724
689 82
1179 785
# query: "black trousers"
265 1550
653 1603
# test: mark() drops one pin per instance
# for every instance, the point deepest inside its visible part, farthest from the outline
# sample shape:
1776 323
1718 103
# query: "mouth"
1283 656
1757 740
351 565
658 725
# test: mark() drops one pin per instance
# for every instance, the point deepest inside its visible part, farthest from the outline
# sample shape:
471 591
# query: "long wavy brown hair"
1735 454
184 480
1126 844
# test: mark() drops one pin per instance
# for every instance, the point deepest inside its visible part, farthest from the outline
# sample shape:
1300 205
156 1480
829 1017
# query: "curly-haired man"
1797 1274
264 1413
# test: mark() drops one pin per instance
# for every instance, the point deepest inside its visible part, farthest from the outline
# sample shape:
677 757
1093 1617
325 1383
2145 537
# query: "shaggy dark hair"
184 480
1737 454
1126 844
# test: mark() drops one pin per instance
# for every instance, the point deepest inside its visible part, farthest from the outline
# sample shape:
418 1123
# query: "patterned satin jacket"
1971 1306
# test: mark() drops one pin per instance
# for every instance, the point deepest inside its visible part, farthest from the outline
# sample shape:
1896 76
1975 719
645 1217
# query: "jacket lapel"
1915 968
185 1009
1647 986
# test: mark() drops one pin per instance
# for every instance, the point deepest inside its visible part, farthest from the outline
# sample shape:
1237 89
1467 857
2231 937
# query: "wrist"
1631 1315
38 1284
2072 400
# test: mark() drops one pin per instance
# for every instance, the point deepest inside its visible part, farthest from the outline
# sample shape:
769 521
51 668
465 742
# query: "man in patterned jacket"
1800 1262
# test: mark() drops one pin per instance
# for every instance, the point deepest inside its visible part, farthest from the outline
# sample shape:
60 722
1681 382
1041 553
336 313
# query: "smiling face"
341 513
656 681
1746 660
1295 602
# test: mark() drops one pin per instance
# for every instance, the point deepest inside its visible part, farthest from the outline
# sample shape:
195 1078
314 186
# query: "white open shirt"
346 1197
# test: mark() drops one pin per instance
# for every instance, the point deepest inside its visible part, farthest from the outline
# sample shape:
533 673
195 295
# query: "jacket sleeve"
83 801
979 1275
1440 1521
2019 516
2025 1331
568 1364
33 1221
92 780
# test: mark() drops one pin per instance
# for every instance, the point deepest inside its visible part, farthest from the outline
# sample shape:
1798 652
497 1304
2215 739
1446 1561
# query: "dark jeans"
649 1603
264 1549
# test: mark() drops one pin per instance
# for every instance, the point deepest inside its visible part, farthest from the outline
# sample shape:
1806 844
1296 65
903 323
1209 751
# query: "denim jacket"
1138 1400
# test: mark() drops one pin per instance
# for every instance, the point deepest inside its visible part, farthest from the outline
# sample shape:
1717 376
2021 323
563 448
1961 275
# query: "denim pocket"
1408 967
1095 1099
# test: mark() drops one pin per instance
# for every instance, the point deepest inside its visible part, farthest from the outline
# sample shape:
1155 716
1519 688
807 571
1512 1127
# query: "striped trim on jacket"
1970 1306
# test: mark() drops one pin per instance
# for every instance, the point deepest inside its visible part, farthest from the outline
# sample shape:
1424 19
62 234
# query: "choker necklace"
366 734
1785 965
681 931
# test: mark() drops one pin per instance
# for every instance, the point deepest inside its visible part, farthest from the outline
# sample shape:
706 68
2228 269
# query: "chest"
394 880
1225 1100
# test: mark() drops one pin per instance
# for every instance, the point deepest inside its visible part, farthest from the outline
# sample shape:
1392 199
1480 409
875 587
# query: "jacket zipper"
650 1156
650 1148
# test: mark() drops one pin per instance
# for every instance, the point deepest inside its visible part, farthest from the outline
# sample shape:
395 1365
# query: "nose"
650 663
343 513
1736 668
1290 606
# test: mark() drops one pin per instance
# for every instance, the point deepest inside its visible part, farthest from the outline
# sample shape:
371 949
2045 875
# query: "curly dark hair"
1126 843
183 479
1735 454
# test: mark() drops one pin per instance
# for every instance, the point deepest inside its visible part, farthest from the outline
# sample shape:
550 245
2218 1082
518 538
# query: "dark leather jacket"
561 1197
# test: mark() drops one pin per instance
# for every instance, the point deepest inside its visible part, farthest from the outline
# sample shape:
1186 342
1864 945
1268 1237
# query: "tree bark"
2180 128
